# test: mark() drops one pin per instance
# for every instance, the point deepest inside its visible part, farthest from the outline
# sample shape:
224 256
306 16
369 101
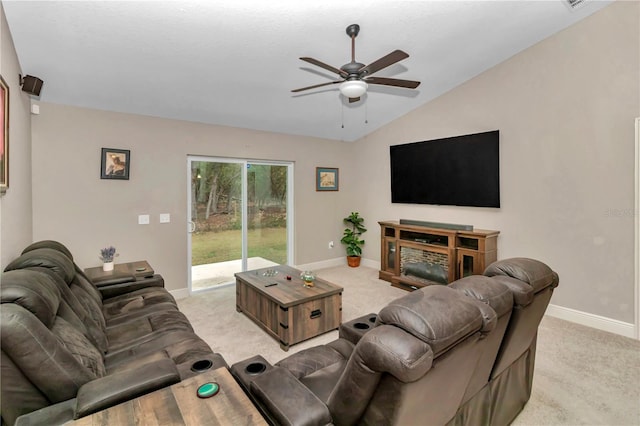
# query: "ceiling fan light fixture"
353 88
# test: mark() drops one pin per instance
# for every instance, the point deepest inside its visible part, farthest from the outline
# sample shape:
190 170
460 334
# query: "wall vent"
574 4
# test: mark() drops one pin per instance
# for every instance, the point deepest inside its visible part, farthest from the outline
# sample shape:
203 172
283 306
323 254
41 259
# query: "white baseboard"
330 263
590 320
370 263
181 293
338 261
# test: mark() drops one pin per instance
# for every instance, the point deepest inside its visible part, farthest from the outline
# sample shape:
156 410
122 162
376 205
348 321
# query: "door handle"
192 227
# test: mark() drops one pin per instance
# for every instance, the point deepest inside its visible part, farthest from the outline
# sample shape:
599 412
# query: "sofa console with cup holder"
71 348
456 354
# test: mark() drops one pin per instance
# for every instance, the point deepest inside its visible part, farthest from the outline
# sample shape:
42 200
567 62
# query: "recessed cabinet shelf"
416 256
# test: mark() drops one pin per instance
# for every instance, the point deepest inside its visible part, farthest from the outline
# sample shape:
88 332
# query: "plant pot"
107 266
353 261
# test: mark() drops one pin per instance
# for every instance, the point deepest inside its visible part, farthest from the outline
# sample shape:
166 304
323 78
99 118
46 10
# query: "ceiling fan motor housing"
352 69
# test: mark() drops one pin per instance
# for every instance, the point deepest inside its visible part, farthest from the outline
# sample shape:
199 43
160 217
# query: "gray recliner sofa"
68 350
461 354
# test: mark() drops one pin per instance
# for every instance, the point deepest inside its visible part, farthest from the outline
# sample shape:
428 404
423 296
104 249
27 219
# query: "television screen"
455 171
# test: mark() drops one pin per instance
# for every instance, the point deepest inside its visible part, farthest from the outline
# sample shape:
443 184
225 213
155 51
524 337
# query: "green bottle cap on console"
208 389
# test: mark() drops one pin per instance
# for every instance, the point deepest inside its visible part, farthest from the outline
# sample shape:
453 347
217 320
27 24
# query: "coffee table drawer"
305 320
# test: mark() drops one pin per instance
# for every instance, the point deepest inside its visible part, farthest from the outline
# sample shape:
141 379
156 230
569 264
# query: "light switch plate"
143 219
165 218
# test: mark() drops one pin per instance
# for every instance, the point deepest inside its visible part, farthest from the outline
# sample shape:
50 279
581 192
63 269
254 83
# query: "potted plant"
106 255
351 238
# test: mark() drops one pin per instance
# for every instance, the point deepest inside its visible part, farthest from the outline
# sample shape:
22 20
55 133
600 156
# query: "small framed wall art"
115 163
327 179
4 136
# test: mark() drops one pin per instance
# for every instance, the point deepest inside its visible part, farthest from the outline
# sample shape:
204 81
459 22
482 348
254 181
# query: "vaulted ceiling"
235 62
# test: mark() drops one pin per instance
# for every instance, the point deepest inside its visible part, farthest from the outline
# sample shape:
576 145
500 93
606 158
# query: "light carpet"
582 376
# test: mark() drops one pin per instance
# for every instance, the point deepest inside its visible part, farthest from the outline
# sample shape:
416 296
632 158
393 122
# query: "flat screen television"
454 171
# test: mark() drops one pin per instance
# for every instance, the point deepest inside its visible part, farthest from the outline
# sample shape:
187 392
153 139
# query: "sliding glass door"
240 218
267 208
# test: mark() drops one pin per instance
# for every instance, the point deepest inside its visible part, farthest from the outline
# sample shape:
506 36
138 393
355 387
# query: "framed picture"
115 164
4 136
326 179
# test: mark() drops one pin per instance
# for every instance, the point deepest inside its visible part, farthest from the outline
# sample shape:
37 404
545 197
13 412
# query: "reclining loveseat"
70 348
457 354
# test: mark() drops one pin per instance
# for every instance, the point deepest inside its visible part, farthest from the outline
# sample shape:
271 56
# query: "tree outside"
217 212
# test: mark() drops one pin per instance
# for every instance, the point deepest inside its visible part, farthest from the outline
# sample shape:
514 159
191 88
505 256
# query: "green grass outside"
213 247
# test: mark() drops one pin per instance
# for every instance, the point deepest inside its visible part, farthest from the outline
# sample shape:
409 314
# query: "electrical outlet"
330 244
165 218
143 219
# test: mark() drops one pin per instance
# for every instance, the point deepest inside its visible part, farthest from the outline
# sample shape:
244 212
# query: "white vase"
107 266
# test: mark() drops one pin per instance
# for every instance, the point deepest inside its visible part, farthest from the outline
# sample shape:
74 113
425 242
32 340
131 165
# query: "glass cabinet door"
390 255
467 262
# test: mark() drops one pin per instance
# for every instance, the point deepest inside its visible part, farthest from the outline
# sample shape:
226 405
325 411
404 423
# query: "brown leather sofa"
461 354
70 349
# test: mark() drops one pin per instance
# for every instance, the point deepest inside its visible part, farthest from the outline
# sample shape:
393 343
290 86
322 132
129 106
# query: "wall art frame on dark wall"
327 179
4 136
114 163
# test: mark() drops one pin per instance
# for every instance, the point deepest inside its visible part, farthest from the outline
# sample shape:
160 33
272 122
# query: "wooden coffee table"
179 405
288 311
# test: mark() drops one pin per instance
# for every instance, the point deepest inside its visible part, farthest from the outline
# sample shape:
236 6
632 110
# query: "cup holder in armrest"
202 365
249 369
356 328
255 368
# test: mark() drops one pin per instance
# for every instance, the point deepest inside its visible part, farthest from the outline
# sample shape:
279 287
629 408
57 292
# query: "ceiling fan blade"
352 100
316 85
325 66
409 84
385 61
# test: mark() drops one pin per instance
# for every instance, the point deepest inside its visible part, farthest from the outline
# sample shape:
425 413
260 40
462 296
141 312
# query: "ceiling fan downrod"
352 31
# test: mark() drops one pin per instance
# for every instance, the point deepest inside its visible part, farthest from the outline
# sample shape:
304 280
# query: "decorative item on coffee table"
106 255
308 277
351 238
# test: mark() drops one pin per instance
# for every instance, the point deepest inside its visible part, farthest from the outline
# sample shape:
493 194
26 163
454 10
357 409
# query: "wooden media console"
414 256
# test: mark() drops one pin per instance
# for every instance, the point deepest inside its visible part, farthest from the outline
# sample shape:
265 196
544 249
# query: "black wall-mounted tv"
455 171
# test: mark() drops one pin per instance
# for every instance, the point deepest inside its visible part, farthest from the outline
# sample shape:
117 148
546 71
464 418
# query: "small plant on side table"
351 238
107 255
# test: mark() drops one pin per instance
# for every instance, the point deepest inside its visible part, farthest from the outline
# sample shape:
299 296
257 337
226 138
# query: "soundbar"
439 225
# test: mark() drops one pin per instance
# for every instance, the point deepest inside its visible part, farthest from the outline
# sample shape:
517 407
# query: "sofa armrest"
287 401
56 414
117 287
125 385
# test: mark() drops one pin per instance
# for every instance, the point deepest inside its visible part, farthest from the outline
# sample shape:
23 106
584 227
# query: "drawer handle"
316 314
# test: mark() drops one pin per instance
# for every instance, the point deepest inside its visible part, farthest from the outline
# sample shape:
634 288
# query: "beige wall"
565 109
73 205
15 205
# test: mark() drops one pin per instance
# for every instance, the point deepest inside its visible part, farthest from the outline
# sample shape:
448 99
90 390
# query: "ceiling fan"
356 76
